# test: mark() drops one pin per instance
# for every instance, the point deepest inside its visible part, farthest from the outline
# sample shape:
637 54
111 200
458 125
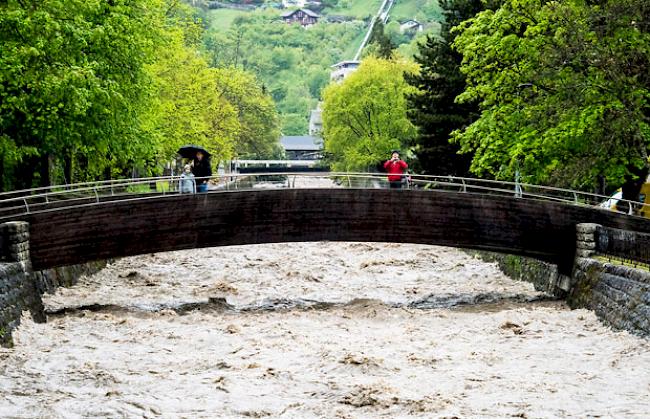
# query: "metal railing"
18 203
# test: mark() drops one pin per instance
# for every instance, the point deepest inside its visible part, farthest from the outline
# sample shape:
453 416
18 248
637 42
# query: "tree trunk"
67 167
25 173
2 174
44 169
82 163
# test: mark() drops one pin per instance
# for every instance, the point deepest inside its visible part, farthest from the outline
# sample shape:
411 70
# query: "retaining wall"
20 288
619 295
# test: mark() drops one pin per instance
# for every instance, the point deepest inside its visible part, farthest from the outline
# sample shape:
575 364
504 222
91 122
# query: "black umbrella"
189 151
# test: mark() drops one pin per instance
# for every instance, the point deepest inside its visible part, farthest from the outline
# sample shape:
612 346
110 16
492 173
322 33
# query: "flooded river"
336 330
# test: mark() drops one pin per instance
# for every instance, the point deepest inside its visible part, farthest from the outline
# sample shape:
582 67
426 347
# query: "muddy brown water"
317 330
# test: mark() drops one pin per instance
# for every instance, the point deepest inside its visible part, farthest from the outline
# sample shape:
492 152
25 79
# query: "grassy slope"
353 47
223 18
426 11
359 9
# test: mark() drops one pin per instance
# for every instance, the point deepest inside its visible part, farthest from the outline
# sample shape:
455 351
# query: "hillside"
294 62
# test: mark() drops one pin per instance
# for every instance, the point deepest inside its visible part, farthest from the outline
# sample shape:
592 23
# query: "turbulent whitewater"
348 330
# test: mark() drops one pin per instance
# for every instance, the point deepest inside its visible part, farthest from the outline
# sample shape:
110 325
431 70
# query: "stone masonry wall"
619 295
20 288
544 276
17 290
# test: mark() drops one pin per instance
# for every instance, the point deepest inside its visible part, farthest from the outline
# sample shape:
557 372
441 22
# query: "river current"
307 330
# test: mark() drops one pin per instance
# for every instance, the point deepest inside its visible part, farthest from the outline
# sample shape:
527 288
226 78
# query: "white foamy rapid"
317 330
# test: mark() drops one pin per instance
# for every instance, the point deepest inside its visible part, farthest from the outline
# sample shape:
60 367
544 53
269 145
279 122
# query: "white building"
343 69
411 25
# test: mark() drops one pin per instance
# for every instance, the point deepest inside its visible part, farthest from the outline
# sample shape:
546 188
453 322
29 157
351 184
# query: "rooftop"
301 142
305 11
349 63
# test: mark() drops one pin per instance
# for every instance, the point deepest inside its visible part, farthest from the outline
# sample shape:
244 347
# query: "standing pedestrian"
202 171
396 168
187 182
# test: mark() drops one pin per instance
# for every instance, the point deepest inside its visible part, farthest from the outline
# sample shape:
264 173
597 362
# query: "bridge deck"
540 229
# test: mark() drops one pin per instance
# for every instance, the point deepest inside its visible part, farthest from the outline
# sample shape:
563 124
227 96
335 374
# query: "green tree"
259 132
432 108
379 43
364 117
73 84
189 107
563 88
291 61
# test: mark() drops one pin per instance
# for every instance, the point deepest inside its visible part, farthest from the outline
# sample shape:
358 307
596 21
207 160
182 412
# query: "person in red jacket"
396 169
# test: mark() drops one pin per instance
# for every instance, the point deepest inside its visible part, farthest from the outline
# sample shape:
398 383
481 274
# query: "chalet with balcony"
304 17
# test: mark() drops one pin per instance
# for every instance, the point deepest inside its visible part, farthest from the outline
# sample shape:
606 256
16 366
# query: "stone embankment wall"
20 288
619 295
544 276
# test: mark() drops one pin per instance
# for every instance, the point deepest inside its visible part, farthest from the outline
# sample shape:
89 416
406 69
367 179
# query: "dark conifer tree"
434 110
382 42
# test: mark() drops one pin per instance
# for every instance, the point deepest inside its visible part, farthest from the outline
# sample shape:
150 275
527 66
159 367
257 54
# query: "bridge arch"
540 229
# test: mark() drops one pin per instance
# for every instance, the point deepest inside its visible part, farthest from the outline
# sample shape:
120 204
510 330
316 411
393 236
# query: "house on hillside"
302 147
304 17
411 25
343 69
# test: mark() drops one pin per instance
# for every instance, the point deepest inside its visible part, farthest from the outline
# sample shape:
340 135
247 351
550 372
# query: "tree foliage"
379 43
94 89
73 82
432 108
290 61
258 119
563 88
364 117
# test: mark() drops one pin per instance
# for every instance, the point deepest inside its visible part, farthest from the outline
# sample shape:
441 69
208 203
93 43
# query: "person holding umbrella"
200 165
202 171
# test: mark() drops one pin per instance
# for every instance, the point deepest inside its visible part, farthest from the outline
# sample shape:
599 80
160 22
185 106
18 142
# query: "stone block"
564 282
584 253
586 228
586 237
17 238
639 275
13 227
586 245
